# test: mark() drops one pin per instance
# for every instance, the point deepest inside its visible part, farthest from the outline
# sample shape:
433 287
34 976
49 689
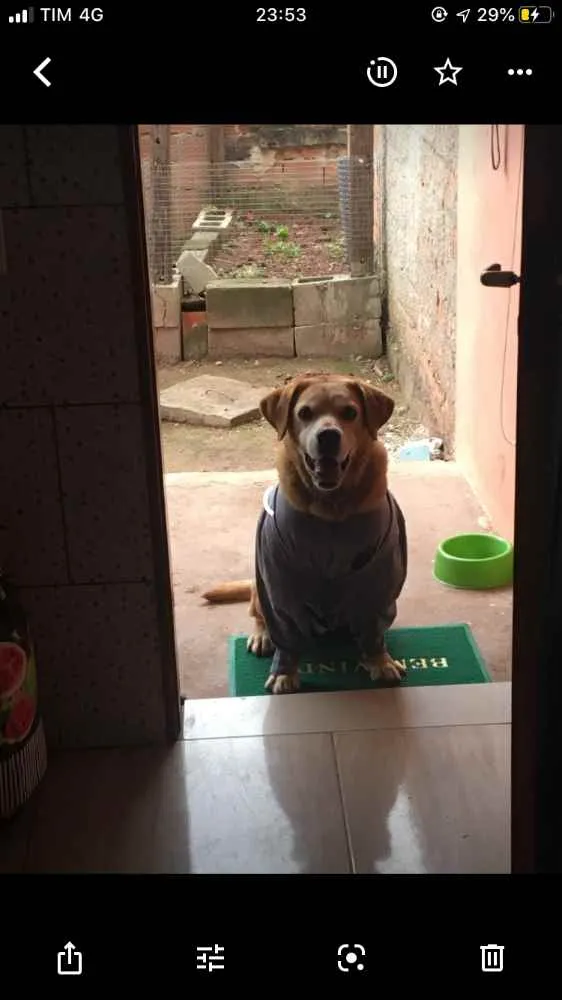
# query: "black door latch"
495 277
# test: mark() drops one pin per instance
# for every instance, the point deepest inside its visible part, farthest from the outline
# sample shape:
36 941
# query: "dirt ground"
278 246
251 446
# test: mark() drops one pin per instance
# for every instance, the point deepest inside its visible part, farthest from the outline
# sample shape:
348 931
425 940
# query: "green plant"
287 249
266 227
282 233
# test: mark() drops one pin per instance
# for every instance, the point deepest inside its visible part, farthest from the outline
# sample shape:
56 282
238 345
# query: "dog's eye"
305 414
349 413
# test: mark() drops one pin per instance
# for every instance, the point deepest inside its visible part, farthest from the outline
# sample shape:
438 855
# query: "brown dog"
331 549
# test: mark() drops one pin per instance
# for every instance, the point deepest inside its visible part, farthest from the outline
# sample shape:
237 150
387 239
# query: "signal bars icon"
25 16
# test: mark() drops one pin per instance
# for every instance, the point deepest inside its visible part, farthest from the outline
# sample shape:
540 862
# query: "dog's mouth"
326 473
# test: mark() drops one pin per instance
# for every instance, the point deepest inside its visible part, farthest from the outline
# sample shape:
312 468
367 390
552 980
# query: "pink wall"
489 231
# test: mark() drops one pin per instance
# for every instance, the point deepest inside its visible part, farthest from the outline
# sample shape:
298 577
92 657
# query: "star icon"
448 73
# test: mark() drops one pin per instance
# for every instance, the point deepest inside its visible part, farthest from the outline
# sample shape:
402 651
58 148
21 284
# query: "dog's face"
329 421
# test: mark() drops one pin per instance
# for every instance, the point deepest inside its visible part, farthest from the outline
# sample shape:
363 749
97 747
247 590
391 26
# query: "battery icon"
535 15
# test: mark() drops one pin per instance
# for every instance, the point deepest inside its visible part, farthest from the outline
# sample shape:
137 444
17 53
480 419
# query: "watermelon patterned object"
23 753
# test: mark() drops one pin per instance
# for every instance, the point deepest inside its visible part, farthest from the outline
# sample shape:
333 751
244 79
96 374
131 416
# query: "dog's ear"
377 406
278 405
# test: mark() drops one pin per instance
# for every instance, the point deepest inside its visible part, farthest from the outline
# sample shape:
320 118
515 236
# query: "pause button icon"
382 72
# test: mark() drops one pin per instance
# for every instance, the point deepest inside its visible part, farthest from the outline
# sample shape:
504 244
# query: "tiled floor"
211 522
411 781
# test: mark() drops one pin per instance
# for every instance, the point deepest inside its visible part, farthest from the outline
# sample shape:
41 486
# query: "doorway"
283 204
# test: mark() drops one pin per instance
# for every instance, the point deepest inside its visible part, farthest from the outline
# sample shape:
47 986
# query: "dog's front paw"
383 668
284 673
283 683
260 644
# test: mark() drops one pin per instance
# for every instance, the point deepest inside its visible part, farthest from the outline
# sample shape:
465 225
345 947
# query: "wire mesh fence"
294 218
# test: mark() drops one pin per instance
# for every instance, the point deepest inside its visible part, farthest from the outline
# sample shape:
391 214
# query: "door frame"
536 778
536 763
131 172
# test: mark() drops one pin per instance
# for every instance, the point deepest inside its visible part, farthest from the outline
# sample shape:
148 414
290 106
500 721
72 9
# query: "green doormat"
446 654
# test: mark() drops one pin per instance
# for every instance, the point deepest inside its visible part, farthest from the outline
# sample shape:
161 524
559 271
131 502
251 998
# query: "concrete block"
212 220
211 401
195 341
309 302
340 300
202 256
353 300
195 273
167 343
166 304
239 304
201 241
276 342
328 340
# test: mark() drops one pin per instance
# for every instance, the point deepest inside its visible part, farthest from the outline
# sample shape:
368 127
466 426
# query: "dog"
331 545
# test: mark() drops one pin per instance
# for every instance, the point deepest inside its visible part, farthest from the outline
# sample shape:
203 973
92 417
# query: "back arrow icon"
38 72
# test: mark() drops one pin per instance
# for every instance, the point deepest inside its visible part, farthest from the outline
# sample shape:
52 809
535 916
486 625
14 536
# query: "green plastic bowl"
474 562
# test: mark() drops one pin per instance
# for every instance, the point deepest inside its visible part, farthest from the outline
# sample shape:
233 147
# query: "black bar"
415 932
158 64
537 635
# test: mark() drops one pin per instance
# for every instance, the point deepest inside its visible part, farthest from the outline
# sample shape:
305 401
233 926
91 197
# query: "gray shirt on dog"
316 577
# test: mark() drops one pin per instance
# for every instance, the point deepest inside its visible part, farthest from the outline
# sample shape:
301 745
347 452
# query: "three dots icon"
520 72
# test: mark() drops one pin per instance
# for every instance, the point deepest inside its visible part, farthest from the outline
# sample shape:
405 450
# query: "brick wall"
419 194
295 157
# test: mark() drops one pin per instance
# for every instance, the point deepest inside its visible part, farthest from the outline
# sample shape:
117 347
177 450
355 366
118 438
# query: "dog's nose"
329 442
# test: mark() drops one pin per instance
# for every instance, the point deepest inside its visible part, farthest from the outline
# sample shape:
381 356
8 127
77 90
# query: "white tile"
14 184
219 807
265 806
105 493
427 801
31 516
99 663
112 811
74 339
74 164
450 705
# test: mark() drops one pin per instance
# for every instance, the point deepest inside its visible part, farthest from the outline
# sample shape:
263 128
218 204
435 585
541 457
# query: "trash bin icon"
492 957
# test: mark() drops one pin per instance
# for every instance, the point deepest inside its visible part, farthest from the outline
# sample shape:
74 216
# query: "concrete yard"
251 445
211 523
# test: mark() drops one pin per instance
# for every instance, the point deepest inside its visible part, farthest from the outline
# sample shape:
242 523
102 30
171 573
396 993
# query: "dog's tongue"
327 469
